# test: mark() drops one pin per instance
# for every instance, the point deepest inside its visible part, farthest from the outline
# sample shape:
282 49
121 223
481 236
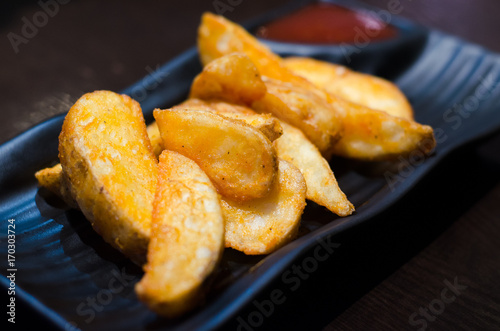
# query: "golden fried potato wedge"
261 226
366 90
110 169
322 186
297 102
51 179
218 78
374 135
187 237
239 159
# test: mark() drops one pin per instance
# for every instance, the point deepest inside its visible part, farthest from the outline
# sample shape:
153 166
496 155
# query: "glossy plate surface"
67 272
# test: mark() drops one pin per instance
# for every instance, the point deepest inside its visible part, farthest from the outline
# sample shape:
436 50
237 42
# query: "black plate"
68 274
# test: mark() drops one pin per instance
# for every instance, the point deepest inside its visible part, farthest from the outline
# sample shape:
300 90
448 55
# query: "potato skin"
110 169
187 237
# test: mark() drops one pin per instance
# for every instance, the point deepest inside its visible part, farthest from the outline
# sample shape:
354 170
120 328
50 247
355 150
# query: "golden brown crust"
374 135
109 166
239 159
322 186
187 237
51 178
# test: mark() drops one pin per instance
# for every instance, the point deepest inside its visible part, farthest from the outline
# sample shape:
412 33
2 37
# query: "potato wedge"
261 226
187 237
373 135
239 159
110 169
363 89
51 179
322 186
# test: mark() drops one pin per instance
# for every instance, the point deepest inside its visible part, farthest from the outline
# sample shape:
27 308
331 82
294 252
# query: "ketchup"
326 23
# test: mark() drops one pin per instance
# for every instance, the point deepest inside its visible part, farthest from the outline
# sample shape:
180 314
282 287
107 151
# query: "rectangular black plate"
452 85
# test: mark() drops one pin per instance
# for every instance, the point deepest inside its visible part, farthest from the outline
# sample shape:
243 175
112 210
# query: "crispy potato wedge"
366 90
51 179
322 186
218 78
374 135
110 169
187 237
239 159
295 101
261 226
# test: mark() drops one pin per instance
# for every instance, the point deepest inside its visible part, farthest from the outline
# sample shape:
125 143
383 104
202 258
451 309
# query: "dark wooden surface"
445 230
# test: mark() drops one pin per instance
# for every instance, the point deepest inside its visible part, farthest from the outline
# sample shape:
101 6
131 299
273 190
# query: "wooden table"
388 274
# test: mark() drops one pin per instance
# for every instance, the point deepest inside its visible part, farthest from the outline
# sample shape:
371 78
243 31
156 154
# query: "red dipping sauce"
325 23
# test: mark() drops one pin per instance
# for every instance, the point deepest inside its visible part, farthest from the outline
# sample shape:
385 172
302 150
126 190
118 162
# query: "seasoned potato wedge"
187 237
322 186
263 225
374 135
51 179
366 90
110 169
239 159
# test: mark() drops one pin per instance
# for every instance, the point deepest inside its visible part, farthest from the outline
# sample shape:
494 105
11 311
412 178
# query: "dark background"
447 227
